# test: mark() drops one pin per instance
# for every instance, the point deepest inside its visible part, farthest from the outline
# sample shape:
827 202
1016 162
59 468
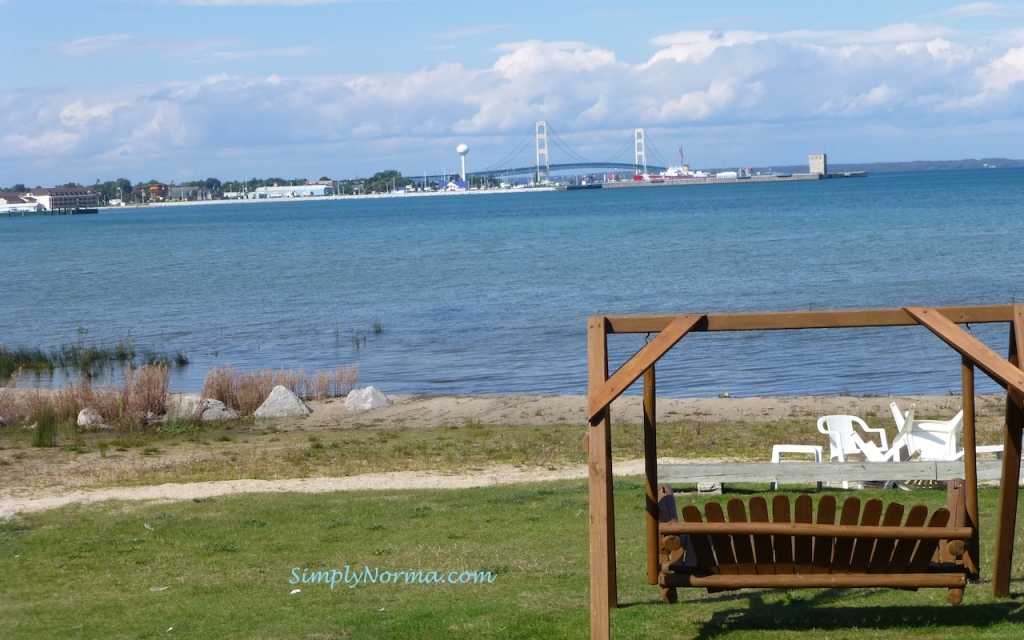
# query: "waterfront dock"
796 177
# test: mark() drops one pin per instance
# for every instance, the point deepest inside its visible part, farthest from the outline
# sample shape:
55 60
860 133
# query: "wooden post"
970 441
1009 488
603 589
651 475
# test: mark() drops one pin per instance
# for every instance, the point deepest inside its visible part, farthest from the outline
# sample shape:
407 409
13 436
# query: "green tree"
384 181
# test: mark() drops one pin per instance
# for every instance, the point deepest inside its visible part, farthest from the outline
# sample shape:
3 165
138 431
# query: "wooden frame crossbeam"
942 321
628 373
1006 374
783 320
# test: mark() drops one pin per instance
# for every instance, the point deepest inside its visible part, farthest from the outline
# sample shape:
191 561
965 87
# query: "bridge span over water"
542 170
566 168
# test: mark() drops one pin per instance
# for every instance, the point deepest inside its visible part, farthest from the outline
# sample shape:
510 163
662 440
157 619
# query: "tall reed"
131 405
83 357
245 391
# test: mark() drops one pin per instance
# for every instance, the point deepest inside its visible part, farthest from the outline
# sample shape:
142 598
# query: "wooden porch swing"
794 547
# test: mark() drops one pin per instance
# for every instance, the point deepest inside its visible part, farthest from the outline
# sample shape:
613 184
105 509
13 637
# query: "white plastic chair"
843 439
936 439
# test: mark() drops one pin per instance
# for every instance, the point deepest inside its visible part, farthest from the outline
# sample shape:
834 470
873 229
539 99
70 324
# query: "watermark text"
375 575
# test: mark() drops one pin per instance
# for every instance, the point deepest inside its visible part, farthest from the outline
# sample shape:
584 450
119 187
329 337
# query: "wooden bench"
738 547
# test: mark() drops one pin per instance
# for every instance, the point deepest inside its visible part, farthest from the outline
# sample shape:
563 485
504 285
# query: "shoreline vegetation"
78 357
417 441
138 402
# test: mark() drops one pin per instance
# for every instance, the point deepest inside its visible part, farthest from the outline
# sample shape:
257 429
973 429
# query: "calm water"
491 293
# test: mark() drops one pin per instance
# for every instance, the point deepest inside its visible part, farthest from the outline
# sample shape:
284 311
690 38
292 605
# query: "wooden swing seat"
737 547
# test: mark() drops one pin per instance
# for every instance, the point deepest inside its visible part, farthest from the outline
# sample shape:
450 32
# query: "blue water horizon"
490 294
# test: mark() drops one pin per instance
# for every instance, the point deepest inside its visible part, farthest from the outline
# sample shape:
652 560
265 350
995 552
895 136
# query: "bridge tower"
641 151
543 166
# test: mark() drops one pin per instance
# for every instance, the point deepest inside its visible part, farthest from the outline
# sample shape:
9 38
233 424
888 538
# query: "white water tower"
462 150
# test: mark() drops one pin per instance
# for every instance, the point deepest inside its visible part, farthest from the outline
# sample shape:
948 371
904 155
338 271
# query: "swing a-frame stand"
670 330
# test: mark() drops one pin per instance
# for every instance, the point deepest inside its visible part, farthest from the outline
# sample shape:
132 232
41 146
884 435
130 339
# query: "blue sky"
179 90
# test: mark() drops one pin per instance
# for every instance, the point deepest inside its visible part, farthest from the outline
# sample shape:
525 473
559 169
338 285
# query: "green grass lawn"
226 567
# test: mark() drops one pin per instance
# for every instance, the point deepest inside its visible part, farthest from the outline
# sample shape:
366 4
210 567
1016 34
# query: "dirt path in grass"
54 479
497 475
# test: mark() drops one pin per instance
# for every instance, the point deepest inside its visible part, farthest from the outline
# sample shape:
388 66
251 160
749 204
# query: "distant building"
18 203
182 193
818 163
298 191
66 199
158 191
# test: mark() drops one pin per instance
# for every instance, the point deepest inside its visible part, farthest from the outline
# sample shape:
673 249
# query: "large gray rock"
360 400
282 403
192 406
217 410
89 418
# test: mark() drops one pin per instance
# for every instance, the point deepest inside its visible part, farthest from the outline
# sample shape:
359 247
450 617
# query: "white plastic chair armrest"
879 430
898 416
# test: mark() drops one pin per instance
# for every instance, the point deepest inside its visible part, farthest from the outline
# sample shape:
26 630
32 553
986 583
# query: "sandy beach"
432 411
52 487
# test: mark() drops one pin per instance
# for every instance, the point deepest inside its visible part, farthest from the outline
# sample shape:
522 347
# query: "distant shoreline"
367 196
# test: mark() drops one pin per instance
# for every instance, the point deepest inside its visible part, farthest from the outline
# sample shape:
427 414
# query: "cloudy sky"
178 90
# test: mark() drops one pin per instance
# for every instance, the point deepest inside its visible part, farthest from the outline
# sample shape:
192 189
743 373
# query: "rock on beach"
282 403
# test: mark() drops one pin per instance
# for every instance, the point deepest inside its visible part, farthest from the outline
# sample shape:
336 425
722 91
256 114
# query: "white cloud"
100 45
982 10
940 49
899 33
205 49
878 97
788 87
77 114
699 105
533 58
1004 71
43 144
697 46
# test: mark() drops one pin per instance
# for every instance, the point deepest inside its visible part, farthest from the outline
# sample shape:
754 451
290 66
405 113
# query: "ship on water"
682 174
682 171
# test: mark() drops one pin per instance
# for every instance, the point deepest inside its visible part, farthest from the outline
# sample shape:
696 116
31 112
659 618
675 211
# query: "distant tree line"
213 188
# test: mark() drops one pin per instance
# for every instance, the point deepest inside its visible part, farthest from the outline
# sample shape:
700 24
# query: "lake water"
478 294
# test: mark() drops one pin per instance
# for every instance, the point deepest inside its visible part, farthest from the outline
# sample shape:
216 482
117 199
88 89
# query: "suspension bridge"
543 138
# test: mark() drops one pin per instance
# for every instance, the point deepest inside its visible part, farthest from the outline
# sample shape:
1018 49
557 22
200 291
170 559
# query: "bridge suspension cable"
657 154
540 134
564 146
526 141
617 156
